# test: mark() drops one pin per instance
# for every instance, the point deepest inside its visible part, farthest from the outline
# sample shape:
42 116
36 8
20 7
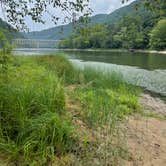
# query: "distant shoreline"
98 50
119 50
152 51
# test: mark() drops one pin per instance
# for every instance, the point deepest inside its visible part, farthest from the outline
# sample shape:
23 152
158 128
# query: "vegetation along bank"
52 112
141 30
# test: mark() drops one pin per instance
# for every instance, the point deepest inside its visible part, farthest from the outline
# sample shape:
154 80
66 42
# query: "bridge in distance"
35 43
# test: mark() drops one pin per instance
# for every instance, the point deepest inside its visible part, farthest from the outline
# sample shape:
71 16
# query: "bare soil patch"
146 136
146 141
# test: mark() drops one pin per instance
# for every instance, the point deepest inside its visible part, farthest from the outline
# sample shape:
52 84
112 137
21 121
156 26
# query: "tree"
157 7
97 36
129 33
18 10
86 37
158 35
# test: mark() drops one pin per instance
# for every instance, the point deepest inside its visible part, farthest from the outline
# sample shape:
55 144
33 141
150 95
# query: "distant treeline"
129 33
7 33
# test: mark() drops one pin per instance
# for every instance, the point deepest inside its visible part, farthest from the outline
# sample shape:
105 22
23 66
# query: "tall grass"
104 95
34 123
60 66
106 100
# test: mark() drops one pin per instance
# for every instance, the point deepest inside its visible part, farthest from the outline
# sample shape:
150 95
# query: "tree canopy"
131 32
158 35
17 10
155 6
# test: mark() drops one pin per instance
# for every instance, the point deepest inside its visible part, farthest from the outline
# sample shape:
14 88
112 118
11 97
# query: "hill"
63 31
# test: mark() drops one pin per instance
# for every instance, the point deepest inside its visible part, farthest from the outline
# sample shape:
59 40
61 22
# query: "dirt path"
146 136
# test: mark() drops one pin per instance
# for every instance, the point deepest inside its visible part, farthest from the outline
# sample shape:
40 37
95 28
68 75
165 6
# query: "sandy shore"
146 136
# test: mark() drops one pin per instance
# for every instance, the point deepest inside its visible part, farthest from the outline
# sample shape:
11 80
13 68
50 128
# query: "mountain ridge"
63 31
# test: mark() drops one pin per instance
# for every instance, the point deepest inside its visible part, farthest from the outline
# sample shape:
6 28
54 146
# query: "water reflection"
141 60
154 81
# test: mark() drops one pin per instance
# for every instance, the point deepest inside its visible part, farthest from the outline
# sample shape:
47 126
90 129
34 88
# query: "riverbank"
39 123
145 135
54 113
98 50
119 50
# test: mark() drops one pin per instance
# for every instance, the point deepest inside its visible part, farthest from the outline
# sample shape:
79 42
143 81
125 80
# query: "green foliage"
9 32
136 8
33 126
129 33
86 37
5 50
59 65
158 36
17 11
4 43
125 28
105 97
156 6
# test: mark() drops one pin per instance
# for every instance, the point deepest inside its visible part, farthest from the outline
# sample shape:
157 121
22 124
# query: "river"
141 69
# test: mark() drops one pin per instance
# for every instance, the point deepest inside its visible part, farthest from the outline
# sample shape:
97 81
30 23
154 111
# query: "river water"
142 69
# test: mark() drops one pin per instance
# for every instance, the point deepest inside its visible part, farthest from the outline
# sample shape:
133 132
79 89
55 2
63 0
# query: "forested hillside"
64 31
125 28
8 31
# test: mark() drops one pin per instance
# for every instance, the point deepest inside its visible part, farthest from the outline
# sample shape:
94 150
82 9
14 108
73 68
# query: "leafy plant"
158 36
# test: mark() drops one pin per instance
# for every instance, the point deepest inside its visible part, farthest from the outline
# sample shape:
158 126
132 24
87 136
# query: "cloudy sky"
106 6
98 7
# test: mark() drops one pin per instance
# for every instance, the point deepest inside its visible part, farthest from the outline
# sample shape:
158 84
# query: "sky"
98 7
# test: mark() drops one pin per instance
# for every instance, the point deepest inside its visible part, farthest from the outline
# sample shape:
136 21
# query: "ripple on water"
154 80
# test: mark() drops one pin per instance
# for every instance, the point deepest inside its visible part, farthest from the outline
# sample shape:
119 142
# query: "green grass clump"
105 96
33 121
59 65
